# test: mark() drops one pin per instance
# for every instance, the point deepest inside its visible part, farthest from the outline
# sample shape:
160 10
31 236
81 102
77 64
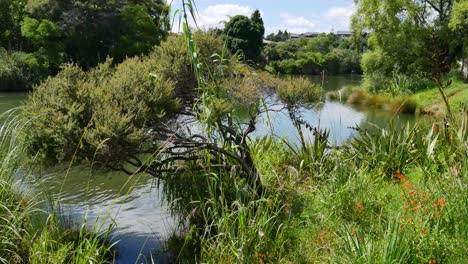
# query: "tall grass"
28 233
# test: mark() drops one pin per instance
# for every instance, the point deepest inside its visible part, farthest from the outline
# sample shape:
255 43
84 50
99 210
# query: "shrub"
14 72
171 62
101 114
298 90
405 105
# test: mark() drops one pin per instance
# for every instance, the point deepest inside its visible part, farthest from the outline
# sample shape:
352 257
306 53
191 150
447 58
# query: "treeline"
36 37
278 37
325 53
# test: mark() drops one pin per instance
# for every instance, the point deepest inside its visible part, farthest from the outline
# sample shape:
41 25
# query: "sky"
297 16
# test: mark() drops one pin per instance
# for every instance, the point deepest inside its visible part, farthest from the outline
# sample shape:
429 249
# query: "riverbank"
30 234
427 102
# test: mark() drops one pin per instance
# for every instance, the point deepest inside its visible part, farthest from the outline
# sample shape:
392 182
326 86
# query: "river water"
134 206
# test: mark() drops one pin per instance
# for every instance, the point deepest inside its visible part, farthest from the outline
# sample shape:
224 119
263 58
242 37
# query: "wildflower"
325 230
360 205
432 261
442 202
409 186
424 231
321 236
402 178
261 255
412 194
261 233
315 241
423 197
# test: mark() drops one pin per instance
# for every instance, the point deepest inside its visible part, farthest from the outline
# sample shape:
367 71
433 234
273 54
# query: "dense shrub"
171 61
14 71
298 91
101 114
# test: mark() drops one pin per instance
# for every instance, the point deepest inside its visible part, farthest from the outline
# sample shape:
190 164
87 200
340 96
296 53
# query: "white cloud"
214 15
340 17
336 17
294 24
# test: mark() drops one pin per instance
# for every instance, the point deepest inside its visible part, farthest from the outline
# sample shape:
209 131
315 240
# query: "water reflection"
133 205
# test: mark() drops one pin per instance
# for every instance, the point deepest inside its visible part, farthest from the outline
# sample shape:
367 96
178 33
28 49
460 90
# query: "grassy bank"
428 101
29 234
388 197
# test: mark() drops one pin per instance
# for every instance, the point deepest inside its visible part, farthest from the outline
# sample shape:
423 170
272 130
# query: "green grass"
29 234
427 101
391 196
430 101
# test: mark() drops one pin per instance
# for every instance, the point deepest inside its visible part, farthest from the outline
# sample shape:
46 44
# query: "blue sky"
298 16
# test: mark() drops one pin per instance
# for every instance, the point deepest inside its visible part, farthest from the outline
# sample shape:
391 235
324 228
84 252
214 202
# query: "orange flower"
315 241
411 193
325 230
400 176
360 205
321 236
442 202
424 198
409 186
261 255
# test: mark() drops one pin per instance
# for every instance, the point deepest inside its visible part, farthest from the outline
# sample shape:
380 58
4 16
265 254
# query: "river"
134 206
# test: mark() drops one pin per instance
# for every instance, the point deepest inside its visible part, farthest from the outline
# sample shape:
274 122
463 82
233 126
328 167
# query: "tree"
459 25
419 24
11 16
246 35
140 33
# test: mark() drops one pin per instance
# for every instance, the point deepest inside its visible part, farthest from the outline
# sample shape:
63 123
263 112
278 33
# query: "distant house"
294 36
310 34
344 34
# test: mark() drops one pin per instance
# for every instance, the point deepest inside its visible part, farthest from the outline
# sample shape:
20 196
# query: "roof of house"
311 34
344 32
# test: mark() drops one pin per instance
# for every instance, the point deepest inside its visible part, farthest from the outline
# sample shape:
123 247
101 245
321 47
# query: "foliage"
172 62
101 114
141 33
326 52
53 32
14 71
246 35
11 15
421 25
30 235
278 37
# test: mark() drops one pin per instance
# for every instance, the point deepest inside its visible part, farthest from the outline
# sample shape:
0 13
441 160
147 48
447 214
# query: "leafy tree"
321 43
141 33
11 16
246 35
459 25
258 20
419 24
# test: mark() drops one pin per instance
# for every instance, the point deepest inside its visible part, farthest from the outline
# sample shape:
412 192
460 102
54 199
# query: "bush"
298 90
14 72
172 63
102 114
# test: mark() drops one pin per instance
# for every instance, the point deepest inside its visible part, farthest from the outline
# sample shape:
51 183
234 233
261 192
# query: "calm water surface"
134 204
